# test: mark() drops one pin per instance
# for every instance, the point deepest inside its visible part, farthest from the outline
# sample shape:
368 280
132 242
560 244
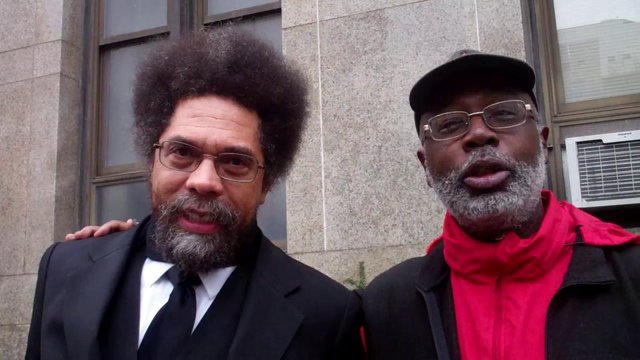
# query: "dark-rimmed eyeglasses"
180 156
501 115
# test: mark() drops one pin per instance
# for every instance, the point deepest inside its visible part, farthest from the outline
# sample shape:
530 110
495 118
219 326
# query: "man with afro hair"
218 118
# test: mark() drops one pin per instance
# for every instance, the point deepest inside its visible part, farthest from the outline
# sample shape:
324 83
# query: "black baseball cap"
471 63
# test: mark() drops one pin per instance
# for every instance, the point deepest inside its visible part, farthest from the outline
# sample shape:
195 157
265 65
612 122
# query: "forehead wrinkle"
206 110
228 138
234 132
228 123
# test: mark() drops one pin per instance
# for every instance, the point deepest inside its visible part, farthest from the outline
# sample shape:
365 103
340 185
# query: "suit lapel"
90 289
268 321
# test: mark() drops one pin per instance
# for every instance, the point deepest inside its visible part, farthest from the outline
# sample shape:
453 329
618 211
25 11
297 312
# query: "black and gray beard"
193 252
495 212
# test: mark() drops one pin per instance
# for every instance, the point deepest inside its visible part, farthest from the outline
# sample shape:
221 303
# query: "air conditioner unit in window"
604 170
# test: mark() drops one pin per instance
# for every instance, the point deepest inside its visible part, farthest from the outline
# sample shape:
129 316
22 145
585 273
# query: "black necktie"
171 327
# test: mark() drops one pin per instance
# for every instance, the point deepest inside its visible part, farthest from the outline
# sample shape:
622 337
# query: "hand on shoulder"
107 228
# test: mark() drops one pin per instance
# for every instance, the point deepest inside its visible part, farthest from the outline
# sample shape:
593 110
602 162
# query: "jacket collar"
588 265
434 270
511 256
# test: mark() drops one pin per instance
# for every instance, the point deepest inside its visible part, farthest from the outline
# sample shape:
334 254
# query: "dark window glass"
272 215
122 201
127 16
267 27
119 66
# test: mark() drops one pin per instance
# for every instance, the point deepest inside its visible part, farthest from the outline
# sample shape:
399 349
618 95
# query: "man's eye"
235 160
451 125
503 113
503 117
182 151
235 165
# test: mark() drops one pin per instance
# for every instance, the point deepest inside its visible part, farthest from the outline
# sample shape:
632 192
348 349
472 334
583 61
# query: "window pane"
122 201
266 27
126 16
215 7
599 45
119 67
272 215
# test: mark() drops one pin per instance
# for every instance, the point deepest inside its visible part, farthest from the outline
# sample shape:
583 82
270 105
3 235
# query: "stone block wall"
357 191
40 88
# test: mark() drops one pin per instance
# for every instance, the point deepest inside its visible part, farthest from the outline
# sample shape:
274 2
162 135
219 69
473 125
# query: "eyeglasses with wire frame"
454 124
185 157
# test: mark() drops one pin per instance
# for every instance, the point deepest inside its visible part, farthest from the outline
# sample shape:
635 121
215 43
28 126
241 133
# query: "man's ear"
423 161
422 157
544 136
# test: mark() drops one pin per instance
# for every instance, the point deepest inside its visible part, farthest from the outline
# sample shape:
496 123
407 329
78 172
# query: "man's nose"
204 180
479 134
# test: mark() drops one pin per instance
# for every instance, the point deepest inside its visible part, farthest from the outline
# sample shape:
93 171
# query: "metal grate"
609 171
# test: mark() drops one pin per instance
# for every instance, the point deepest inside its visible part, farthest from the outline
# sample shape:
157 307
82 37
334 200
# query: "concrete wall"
357 192
40 69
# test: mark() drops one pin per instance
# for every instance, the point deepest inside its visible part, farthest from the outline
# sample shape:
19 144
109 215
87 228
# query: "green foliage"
361 281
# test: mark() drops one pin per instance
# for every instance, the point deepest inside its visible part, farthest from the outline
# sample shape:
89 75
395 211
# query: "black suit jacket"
291 311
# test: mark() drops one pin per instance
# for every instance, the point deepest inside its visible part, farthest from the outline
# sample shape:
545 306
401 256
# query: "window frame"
563 111
94 157
558 114
249 11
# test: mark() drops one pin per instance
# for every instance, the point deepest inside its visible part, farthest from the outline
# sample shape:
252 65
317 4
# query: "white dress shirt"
155 289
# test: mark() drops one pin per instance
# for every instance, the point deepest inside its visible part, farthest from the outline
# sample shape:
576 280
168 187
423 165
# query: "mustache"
210 210
482 153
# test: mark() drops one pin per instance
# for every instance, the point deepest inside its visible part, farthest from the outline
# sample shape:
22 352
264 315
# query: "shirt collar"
152 272
212 280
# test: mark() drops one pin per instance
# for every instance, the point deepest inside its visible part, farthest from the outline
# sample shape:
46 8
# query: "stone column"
40 110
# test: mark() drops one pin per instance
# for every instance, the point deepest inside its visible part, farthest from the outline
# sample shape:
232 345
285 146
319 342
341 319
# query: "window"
123 32
588 62
598 43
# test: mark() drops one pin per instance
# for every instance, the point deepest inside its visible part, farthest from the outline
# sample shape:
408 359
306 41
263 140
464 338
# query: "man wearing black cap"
516 274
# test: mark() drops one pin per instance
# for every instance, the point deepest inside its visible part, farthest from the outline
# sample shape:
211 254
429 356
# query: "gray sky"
572 13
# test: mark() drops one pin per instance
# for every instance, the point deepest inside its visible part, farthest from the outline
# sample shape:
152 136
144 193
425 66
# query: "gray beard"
498 212
193 252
